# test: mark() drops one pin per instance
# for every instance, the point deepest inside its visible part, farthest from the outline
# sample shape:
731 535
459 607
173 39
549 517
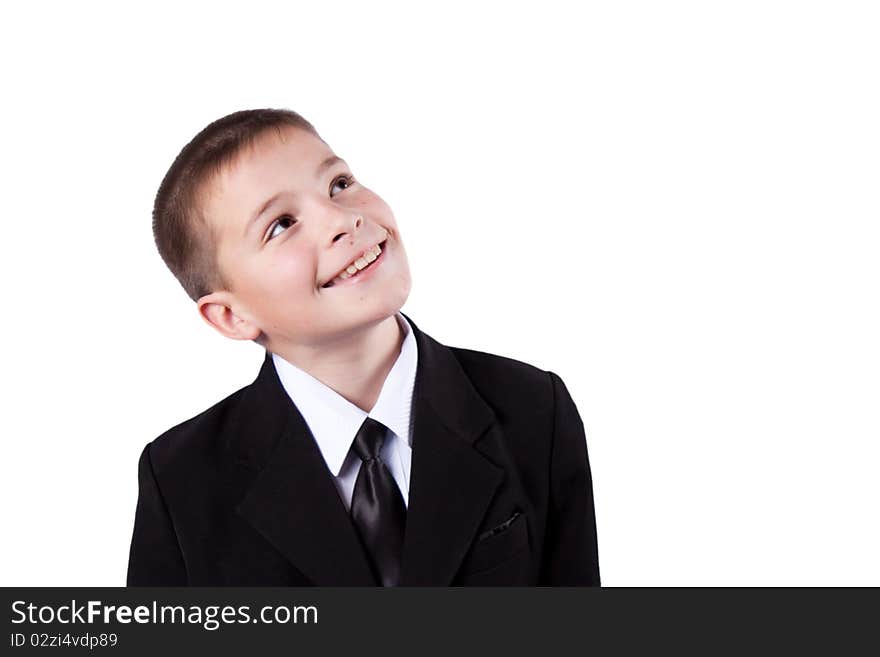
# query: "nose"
346 225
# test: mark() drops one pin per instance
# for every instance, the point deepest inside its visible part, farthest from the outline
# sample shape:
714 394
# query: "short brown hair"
184 237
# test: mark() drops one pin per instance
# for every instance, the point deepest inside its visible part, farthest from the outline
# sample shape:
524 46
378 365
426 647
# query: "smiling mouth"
370 264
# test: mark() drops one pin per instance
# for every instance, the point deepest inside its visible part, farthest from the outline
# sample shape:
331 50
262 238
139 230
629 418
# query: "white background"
674 206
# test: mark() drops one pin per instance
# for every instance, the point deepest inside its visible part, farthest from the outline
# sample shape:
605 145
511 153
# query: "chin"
370 316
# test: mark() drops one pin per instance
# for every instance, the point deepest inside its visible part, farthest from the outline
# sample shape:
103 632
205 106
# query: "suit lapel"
293 502
451 482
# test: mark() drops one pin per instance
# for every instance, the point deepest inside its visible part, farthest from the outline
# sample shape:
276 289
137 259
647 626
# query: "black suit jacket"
500 488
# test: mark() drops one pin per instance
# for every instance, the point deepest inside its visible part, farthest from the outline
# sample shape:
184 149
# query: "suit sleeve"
571 556
155 558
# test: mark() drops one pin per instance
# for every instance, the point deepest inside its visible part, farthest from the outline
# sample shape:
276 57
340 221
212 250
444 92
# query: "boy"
365 452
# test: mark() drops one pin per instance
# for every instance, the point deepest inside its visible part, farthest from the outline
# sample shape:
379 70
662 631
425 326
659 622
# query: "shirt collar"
334 421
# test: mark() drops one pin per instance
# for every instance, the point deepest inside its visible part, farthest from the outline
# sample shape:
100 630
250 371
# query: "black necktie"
377 507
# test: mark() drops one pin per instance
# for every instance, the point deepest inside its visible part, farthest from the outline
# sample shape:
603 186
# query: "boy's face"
277 258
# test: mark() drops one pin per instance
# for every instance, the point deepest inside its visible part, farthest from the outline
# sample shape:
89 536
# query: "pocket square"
497 546
500 528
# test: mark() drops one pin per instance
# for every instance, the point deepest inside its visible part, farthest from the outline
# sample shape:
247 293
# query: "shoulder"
506 380
187 445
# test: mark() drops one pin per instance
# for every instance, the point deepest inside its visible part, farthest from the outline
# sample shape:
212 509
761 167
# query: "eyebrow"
326 164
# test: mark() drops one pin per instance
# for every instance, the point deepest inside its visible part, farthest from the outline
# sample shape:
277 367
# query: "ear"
216 310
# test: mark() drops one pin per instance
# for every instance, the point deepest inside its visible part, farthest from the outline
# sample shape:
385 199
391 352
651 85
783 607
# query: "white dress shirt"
334 421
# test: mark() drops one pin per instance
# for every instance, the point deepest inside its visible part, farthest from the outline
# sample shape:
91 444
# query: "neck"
356 365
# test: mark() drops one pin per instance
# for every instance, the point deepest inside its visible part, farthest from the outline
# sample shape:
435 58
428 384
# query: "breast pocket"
497 545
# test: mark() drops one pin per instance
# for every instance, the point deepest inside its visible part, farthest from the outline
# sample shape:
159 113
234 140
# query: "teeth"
368 256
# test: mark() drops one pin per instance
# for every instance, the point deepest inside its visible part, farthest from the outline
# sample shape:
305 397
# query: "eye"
349 181
285 221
